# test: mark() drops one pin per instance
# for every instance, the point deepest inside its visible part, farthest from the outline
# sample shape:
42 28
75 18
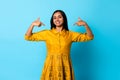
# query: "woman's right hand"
38 23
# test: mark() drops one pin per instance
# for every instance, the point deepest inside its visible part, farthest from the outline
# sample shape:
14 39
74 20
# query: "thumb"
38 19
79 19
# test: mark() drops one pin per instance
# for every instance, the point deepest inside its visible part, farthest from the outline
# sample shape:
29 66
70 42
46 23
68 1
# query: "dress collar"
56 32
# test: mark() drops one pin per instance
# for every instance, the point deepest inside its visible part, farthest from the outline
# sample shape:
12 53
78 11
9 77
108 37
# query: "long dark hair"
65 24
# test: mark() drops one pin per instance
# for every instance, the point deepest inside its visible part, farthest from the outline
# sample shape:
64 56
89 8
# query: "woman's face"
58 19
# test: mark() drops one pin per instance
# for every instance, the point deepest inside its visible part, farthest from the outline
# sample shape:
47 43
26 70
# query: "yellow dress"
58 65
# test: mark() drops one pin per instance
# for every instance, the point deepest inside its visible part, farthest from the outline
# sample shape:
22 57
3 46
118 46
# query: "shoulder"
44 31
41 32
73 32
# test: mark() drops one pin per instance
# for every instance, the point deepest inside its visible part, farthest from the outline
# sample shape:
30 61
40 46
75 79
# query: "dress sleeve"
80 37
37 36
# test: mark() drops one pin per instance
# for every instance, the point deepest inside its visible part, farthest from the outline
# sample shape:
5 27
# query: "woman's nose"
57 18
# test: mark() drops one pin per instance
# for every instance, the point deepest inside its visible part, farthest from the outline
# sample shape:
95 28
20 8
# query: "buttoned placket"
59 42
58 36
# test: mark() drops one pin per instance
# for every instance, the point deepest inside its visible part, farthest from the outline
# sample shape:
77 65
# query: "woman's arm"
30 29
88 30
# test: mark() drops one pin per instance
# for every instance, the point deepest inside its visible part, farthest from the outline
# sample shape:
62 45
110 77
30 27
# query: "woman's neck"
59 29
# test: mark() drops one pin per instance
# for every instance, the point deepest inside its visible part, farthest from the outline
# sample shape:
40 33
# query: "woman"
58 40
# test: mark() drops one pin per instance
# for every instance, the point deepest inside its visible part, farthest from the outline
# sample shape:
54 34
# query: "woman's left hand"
80 22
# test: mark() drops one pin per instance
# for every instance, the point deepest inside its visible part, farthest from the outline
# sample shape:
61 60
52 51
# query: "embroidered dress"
58 64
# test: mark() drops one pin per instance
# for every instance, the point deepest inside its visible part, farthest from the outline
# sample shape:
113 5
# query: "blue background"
94 60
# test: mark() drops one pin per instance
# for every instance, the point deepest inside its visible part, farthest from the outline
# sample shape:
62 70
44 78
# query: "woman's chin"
59 25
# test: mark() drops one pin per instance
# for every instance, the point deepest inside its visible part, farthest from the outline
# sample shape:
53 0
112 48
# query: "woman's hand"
80 22
38 23
35 23
83 23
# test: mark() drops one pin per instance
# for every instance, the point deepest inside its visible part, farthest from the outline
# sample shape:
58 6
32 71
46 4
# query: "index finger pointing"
43 24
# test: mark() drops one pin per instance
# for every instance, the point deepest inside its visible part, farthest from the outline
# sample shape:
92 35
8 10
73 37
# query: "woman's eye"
60 16
54 17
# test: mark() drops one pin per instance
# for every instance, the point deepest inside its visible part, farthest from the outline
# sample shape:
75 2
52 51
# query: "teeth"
57 22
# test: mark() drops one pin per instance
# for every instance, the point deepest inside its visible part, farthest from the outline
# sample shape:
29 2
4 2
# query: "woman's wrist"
32 25
85 24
